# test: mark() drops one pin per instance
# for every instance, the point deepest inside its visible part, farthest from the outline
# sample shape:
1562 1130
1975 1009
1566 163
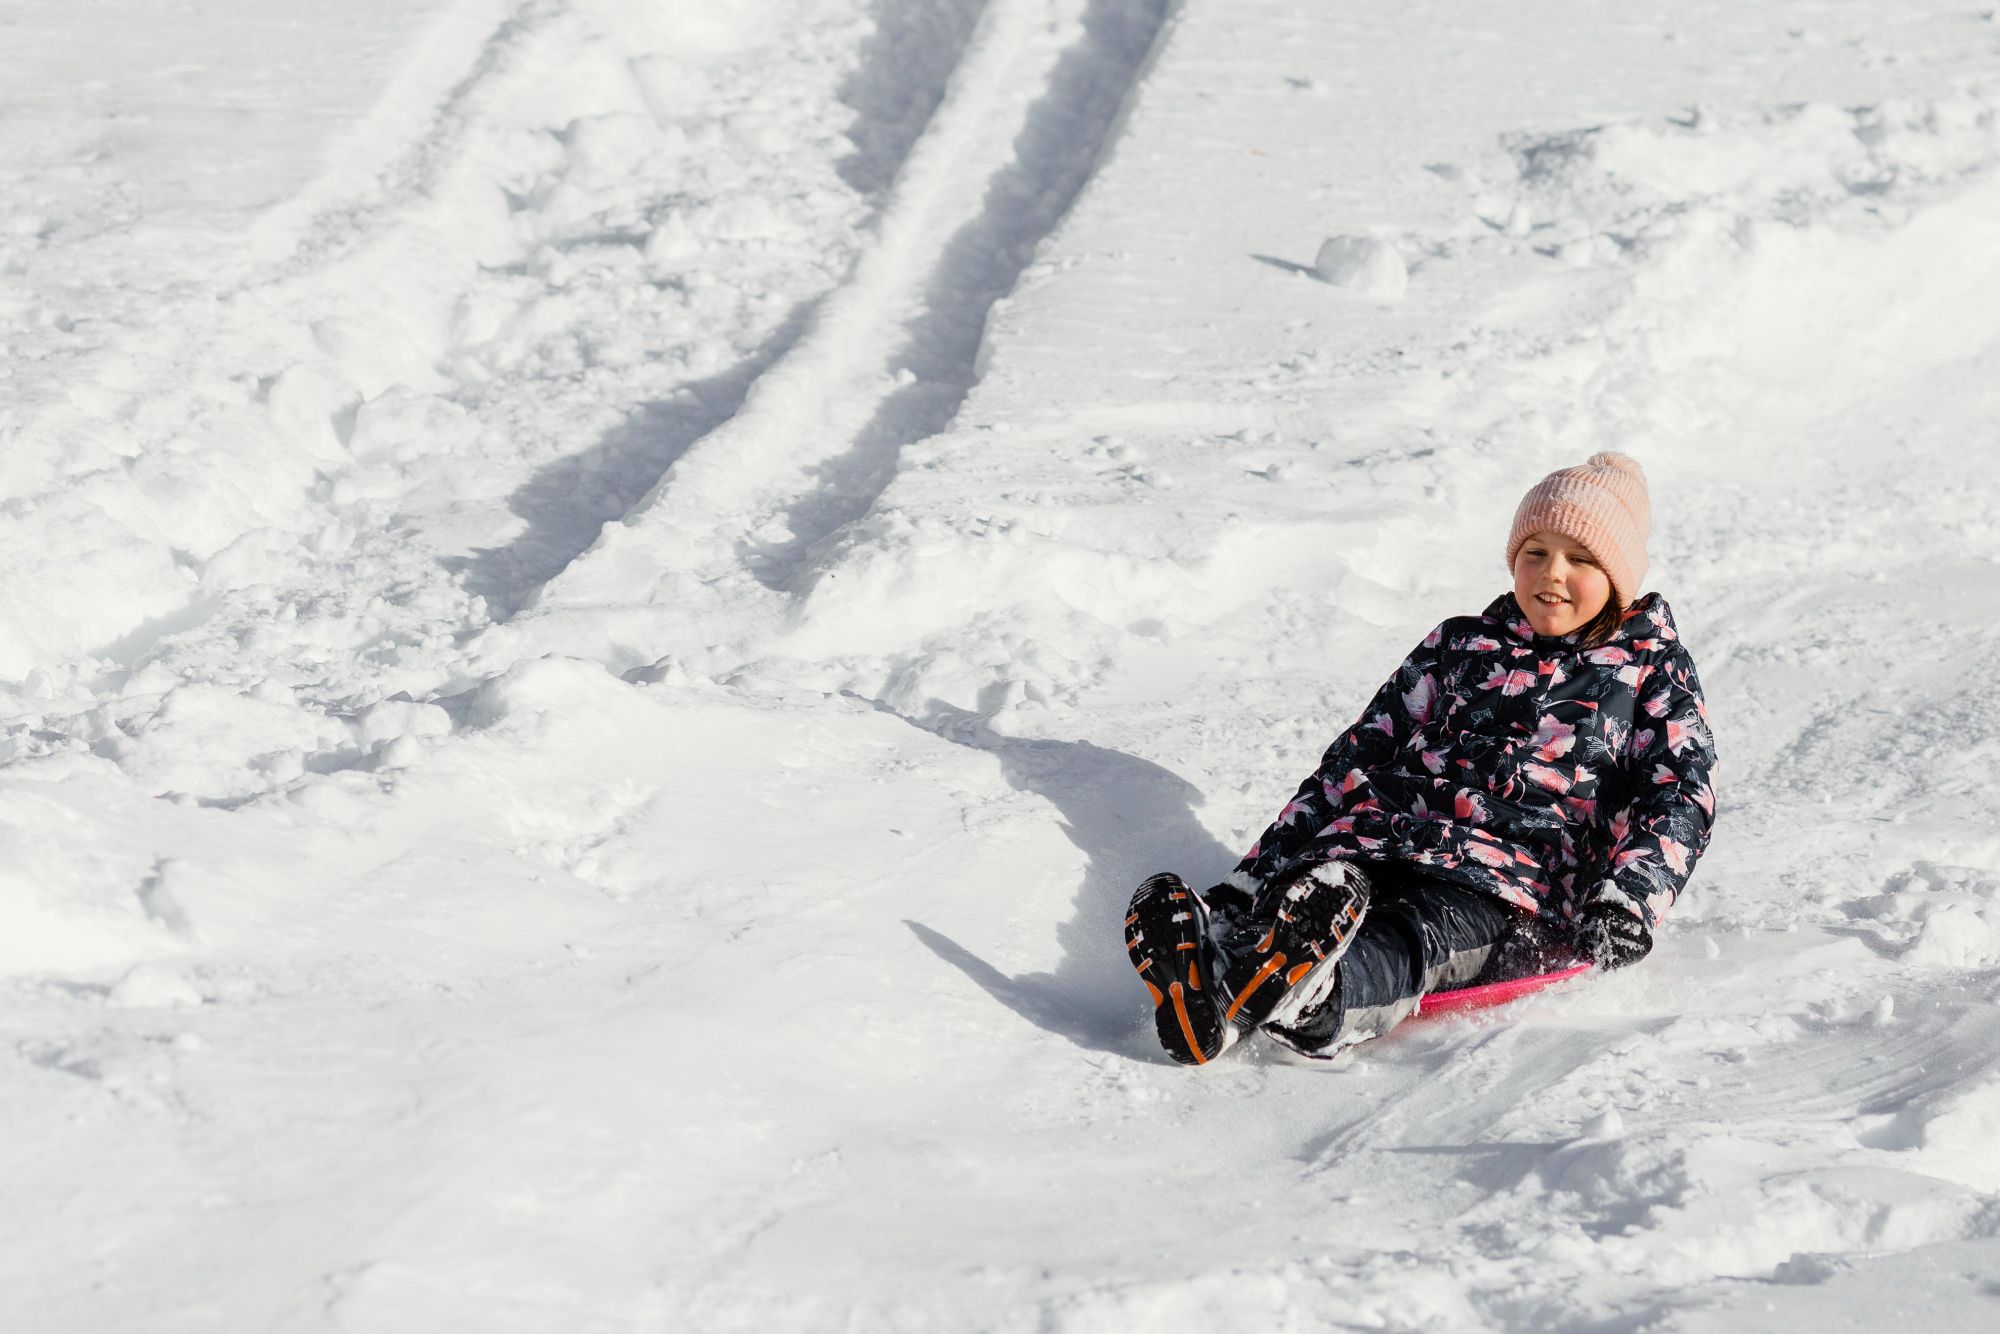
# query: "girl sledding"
1530 789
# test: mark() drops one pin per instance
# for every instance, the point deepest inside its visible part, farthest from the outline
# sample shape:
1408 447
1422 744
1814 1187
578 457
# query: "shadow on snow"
1130 817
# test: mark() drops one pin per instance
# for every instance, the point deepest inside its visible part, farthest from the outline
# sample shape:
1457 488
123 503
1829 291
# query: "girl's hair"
1603 625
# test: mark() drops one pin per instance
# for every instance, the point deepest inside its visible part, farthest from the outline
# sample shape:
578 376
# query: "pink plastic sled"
1493 993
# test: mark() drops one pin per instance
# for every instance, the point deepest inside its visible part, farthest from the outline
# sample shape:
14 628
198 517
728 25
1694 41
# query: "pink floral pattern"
1549 775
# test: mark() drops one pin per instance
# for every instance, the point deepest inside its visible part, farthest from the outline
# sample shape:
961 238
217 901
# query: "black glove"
1610 937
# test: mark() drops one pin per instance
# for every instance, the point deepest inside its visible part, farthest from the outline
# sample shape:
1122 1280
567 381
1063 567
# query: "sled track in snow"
470 46
1033 98
901 77
1066 133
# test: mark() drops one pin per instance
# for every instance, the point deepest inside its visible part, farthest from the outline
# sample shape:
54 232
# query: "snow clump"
1364 265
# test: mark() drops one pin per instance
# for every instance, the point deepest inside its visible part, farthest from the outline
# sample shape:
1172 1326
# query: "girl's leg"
1420 935
1276 960
1338 952
1279 959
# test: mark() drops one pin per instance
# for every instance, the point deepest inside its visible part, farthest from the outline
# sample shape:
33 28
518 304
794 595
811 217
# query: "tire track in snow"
566 503
356 200
499 359
892 353
1065 135
904 72
901 77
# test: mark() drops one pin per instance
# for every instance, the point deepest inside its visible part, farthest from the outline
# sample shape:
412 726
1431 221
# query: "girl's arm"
1658 837
1403 704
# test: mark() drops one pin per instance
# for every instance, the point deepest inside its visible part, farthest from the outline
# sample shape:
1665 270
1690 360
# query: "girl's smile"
1558 583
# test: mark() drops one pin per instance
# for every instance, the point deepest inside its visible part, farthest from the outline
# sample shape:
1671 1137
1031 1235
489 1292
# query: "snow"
1362 264
604 602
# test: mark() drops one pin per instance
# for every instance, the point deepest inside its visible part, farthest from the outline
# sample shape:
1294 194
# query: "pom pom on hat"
1602 503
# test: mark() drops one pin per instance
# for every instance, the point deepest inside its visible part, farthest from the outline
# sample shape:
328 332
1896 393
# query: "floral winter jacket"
1550 775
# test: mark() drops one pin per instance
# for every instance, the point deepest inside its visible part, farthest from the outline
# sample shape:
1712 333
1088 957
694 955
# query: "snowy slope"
604 603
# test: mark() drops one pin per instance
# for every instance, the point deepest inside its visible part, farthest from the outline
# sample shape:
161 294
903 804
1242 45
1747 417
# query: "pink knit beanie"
1601 503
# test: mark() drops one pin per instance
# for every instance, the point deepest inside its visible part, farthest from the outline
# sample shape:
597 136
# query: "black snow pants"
1419 935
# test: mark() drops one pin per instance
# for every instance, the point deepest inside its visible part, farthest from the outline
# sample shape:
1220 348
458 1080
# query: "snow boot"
1313 1031
1166 933
1293 966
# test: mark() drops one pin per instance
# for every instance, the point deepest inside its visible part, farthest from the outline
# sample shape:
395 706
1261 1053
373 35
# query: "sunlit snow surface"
601 603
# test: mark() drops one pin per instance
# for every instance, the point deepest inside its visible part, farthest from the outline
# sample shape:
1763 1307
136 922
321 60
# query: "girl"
1532 785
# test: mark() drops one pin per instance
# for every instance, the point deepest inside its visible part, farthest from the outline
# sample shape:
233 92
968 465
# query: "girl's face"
1558 583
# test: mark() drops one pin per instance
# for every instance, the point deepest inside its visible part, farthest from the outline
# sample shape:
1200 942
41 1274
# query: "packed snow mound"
1362 264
